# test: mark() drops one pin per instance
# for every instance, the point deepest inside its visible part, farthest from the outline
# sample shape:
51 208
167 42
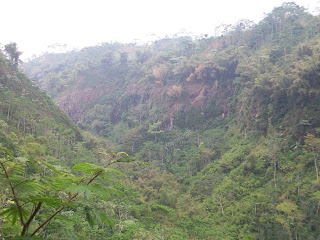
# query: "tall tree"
12 50
312 144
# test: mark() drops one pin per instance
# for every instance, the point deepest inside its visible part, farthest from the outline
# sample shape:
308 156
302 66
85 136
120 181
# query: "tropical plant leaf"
61 182
53 168
88 168
22 159
124 159
31 187
14 218
52 201
114 171
15 170
16 179
5 151
64 217
80 189
12 213
35 165
6 211
103 191
122 153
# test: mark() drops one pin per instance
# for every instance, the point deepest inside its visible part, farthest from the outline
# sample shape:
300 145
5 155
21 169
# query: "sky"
36 24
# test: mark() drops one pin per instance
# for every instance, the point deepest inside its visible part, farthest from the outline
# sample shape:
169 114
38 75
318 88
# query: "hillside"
234 118
55 182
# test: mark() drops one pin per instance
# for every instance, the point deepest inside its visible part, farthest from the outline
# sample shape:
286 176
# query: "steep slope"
23 104
235 118
39 147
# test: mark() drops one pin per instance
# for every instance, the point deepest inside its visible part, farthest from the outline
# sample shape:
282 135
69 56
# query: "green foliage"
13 53
36 196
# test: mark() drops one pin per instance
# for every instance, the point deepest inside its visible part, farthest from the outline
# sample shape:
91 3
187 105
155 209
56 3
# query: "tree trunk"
220 203
18 126
275 171
24 125
315 164
9 109
290 235
298 185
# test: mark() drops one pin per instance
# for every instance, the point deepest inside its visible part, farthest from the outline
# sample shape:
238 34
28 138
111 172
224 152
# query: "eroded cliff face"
157 100
78 101
75 103
139 84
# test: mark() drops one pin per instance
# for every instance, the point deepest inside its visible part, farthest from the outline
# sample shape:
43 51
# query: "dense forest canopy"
224 130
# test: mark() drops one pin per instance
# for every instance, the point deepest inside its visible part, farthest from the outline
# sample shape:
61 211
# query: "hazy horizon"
36 25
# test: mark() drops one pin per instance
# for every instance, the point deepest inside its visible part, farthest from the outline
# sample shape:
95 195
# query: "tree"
123 58
274 146
161 72
290 216
13 53
154 129
312 144
49 189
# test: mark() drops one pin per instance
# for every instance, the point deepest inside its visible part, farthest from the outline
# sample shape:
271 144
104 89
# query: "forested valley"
181 138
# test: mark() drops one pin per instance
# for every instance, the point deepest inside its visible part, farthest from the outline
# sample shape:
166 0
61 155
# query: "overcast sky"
37 24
